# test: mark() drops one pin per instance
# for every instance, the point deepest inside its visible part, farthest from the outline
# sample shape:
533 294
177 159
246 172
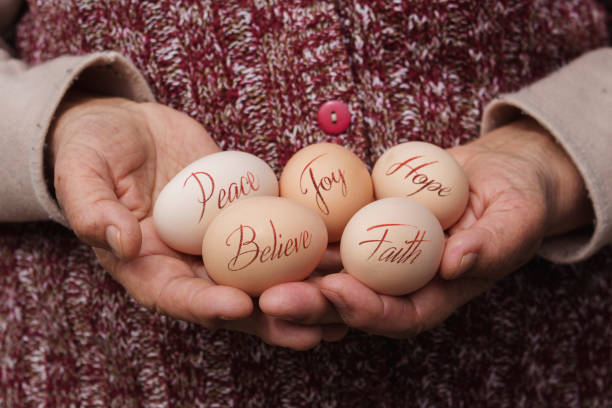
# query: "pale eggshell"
193 198
331 180
426 173
263 241
394 246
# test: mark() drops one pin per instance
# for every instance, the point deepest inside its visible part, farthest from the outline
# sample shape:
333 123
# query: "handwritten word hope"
225 194
321 183
420 180
249 250
383 249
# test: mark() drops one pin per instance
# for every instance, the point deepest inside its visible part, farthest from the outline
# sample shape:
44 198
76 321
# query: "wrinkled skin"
111 158
523 188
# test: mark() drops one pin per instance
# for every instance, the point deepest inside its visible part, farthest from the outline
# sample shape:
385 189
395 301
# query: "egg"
426 173
263 241
193 198
393 246
331 180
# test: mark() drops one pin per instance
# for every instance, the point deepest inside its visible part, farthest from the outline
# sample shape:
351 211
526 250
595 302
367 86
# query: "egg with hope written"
263 241
426 173
331 180
393 246
193 198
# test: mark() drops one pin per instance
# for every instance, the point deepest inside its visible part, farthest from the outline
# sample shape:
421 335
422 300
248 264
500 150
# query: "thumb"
495 244
86 192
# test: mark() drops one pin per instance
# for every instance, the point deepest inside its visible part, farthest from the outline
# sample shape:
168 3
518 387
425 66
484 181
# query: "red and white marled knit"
254 74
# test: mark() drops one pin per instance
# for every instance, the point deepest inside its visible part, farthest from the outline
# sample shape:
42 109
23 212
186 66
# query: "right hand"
111 158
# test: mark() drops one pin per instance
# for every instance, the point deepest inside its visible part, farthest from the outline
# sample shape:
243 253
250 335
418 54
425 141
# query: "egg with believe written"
331 180
193 198
263 241
426 173
393 246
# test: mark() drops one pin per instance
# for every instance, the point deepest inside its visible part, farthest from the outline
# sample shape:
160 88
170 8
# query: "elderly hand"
523 188
111 158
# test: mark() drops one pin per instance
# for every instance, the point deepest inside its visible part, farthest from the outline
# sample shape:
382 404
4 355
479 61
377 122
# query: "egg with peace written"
394 246
331 180
193 198
263 241
426 173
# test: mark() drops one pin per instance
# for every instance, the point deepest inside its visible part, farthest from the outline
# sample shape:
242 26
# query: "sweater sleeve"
29 99
575 105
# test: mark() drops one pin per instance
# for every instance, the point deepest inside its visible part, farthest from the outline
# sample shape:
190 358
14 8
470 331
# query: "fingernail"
113 238
467 262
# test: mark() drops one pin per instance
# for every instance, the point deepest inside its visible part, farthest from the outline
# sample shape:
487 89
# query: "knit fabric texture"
255 74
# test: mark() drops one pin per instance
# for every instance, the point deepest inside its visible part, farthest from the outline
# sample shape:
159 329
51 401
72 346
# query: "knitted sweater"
255 74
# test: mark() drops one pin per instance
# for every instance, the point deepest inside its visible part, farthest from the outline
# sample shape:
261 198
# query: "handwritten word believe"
419 179
247 184
249 251
386 252
321 184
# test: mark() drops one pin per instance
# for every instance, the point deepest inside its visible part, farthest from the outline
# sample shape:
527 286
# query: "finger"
85 191
461 252
331 258
503 239
470 215
334 332
398 317
298 302
169 286
279 332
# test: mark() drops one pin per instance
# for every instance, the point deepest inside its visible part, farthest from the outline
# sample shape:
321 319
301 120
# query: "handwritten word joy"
249 250
227 194
321 184
420 180
384 249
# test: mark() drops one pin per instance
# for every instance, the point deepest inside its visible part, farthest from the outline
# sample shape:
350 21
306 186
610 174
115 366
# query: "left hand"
523 187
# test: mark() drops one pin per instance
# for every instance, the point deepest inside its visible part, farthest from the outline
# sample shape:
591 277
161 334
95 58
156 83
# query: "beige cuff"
575 105
29 99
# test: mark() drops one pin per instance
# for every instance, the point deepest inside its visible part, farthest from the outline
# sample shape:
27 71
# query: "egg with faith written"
426 173
331 180
189 202
394 246
263 241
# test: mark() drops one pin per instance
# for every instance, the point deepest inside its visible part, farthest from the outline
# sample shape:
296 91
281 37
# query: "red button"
334 117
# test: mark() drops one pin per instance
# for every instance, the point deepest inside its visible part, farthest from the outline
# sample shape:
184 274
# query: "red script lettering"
321 184
249 250
420 180
226 195
386 250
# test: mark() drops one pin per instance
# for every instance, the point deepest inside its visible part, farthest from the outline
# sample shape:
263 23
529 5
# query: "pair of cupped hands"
111 157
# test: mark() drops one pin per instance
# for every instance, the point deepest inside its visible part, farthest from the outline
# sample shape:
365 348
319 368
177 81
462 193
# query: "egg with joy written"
393 246
426 173
198 193
263 241
331 180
